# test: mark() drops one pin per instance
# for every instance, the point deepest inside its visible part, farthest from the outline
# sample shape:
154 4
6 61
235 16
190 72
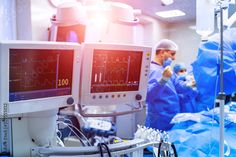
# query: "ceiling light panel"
170 13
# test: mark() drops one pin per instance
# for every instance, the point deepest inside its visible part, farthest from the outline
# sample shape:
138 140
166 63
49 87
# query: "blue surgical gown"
188 100
162 98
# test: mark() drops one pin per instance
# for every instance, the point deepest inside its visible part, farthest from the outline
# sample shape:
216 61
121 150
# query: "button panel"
107 96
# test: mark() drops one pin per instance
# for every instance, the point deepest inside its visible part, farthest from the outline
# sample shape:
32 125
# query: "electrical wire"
59 142
100 150
63 119
104 145
77 136
107 148
80 133
166 152
67 119
70 122
72 131
70 126
60 134
174 149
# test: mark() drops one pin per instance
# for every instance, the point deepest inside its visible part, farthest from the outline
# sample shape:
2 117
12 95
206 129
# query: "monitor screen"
114 73
40 73
115 70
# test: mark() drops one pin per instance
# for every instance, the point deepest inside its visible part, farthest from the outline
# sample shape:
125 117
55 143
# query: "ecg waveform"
115 70
29 73
40 70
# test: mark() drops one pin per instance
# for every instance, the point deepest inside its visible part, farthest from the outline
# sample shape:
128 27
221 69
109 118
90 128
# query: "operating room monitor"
114 73
37 76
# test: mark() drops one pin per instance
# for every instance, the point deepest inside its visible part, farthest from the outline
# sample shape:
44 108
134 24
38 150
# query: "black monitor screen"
40 73
115 70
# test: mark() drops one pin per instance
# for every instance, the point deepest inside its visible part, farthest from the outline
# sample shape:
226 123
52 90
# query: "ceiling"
149 7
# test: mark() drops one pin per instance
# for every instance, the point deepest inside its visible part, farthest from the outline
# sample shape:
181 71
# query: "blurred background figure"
181 70
164 87
187 100
162 98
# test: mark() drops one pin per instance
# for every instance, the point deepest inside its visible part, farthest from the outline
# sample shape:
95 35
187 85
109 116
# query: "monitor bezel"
38 104
86 97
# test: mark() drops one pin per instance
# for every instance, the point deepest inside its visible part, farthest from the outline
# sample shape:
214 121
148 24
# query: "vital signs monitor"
38 76
114 73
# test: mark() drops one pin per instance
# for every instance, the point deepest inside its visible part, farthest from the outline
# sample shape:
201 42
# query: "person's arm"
166 75
182 87
157 81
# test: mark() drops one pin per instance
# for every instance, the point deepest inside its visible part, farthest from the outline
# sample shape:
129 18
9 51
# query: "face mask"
167 62
182 77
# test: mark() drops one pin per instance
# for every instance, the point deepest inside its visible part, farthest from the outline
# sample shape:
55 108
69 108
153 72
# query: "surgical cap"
178 67
166 44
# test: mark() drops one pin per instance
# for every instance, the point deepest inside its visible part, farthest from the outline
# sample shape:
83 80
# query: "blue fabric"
188 102
201 138
206 68
187 98
162 98
182 77
167 62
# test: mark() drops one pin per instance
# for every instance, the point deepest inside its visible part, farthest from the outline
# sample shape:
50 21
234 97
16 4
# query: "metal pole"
221 94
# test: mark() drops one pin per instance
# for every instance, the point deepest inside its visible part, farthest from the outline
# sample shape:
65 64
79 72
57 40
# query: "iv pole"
221 97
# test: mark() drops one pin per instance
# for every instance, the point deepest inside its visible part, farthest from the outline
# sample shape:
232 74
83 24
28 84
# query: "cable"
167 153
174 149
100 149
108 150
71 129
67 119
60 134
101 146
159 149
59 141
78 137
69 122
81 133
74 132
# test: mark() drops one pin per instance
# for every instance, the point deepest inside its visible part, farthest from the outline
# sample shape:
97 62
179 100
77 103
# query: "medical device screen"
39 73
115 70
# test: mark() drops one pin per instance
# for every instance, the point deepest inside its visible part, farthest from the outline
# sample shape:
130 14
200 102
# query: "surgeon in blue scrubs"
163 87
180 70
187 100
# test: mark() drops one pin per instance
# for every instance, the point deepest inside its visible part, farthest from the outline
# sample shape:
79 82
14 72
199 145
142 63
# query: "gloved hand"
167 73
190 81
